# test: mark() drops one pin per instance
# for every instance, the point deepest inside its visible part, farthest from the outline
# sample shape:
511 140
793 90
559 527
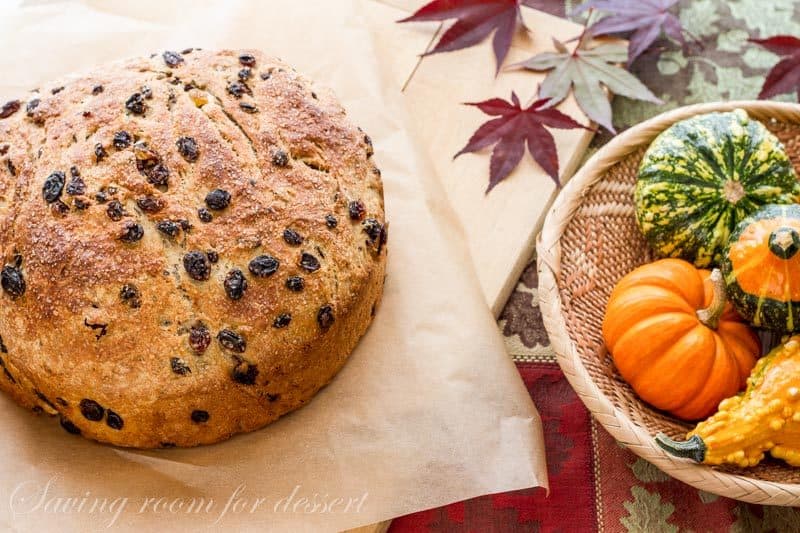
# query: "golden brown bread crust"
100 333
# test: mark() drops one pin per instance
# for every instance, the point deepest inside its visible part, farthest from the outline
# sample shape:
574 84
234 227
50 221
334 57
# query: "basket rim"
548 248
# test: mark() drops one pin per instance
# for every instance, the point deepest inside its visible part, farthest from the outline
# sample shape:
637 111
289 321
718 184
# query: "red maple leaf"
513 127
785 75
647 19
476 19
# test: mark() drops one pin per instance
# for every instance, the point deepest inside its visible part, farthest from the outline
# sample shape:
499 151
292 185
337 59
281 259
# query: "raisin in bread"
192 245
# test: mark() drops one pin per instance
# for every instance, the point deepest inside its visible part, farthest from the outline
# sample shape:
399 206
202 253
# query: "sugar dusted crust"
105 309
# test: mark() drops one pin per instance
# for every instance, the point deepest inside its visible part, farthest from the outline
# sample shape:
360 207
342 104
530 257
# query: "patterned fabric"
568 443
596 485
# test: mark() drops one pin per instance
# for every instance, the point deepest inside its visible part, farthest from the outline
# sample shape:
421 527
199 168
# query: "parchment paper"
429 410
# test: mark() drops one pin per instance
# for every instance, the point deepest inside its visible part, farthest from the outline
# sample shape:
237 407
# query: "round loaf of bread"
192 245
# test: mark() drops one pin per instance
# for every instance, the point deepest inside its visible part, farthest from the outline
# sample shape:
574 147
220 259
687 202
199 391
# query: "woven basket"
589 241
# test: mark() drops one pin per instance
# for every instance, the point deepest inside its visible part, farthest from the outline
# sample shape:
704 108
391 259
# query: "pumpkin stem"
784 242
733 191
710 315
694 448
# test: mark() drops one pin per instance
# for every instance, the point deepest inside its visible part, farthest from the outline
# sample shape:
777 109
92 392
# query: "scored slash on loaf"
192 245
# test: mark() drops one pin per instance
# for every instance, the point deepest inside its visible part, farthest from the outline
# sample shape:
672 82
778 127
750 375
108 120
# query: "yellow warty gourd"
764 418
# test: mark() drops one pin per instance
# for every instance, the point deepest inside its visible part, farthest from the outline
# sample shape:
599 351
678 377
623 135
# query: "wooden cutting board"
500 227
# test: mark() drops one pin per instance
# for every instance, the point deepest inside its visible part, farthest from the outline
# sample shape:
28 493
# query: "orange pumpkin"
676 340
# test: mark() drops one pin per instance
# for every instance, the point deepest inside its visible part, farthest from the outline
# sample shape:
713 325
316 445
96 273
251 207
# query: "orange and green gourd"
762 268
675 339
765 418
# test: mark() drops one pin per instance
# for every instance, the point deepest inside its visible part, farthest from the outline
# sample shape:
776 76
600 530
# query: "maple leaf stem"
591 17
585 31
422 56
